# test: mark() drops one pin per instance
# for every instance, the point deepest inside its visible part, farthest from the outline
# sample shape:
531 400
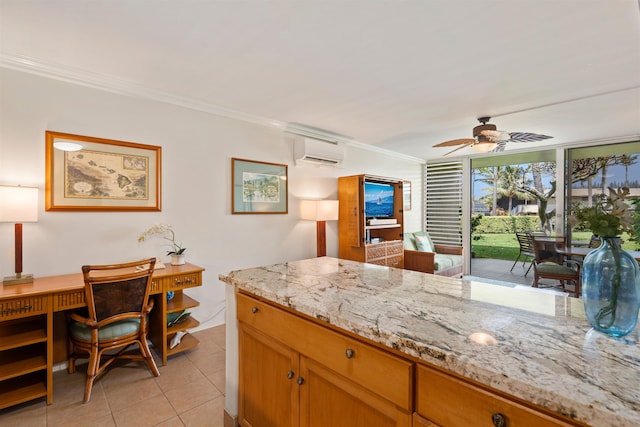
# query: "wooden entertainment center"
360 237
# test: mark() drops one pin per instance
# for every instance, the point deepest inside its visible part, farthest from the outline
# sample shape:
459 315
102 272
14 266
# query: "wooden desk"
27 314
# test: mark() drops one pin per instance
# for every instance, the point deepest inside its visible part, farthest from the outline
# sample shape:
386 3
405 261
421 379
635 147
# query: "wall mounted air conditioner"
308 150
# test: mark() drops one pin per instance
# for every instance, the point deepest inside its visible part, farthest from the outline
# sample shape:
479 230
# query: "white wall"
196 171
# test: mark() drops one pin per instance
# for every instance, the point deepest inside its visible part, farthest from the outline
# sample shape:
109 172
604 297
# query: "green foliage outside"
507 224
494 236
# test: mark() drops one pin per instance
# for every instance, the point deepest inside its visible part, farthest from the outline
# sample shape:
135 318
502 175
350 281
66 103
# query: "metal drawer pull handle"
183 282
17 310
300 381
290 374
349 353
499 420
254 310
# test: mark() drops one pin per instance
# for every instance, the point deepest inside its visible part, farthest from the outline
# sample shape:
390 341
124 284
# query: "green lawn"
505 246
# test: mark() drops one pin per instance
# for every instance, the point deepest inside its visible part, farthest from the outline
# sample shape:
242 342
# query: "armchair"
118 306
421 254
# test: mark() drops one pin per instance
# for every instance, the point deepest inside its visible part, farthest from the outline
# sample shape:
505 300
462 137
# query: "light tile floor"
188 392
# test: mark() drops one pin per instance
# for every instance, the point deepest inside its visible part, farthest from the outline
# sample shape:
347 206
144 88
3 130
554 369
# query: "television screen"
378 200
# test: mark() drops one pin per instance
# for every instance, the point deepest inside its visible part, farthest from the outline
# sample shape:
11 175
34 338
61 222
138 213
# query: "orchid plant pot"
611 288
177 259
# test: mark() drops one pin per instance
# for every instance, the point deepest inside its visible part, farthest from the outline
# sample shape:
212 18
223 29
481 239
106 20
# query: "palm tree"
512 179
627 160
491 176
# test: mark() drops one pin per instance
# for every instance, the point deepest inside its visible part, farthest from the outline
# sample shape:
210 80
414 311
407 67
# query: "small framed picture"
258 187
85 173
406 195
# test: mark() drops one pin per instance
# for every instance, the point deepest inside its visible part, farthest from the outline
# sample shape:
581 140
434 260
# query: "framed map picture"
84 173
258 187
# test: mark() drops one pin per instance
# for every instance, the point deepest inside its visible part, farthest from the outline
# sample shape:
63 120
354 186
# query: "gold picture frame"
101 174
258 187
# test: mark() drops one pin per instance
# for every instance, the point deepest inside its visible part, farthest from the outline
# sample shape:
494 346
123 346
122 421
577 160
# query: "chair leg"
148 357
92 370
516 261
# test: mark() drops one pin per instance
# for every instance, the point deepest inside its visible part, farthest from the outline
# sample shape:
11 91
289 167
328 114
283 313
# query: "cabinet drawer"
396 261
376 251
395 248
23 307
385 374
448 401
174 283
69 300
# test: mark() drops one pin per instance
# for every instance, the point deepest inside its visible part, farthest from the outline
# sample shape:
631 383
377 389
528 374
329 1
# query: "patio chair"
525 240
549 264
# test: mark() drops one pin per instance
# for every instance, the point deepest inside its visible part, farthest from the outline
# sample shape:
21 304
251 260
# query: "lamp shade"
18 204
484 146
319 210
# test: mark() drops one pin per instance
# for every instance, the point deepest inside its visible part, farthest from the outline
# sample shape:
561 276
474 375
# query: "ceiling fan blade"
527 137
460 147
495 135
500 147
456 142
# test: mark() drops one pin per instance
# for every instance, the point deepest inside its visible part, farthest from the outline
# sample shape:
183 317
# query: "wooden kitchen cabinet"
294 372
447 401
267 373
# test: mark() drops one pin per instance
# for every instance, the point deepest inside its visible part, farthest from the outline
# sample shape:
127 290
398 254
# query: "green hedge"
507 224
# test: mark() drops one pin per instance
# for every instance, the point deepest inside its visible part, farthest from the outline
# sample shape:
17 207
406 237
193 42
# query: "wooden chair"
549 264
525 240
118 305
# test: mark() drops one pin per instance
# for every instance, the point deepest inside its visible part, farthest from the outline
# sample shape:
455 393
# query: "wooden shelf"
182 326
24 333
21 361
187 342
381 226
22 389
181 301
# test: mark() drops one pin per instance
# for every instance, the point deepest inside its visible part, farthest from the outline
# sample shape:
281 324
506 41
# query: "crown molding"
123 87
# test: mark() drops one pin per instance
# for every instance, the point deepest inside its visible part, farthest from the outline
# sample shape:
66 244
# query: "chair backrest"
545 251
118 288
525 240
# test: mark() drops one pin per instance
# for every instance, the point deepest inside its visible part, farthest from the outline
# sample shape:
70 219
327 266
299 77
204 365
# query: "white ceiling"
401 75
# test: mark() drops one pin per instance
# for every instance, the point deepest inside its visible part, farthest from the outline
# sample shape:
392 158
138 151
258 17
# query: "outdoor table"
582 251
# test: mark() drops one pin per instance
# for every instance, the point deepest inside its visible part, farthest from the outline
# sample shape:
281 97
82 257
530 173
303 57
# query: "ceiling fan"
487 138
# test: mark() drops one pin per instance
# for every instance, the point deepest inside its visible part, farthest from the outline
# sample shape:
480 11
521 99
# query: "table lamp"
320 211
18 205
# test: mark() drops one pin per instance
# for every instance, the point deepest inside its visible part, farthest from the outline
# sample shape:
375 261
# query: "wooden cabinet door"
329 399
351 223
268 391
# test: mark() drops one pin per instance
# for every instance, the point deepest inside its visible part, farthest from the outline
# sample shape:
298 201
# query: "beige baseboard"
229 421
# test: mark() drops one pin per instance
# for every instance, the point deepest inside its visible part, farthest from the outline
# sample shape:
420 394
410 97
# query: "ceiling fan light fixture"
484 146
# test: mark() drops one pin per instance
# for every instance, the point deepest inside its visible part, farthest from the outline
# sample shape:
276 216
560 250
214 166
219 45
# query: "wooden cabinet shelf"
187 342
24 371
383 226
22 361
22 389
160 334
181 301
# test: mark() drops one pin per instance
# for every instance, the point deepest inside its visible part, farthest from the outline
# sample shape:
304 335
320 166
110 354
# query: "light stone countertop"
545 351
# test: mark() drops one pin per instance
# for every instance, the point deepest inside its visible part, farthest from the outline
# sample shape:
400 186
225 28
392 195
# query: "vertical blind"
443 202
